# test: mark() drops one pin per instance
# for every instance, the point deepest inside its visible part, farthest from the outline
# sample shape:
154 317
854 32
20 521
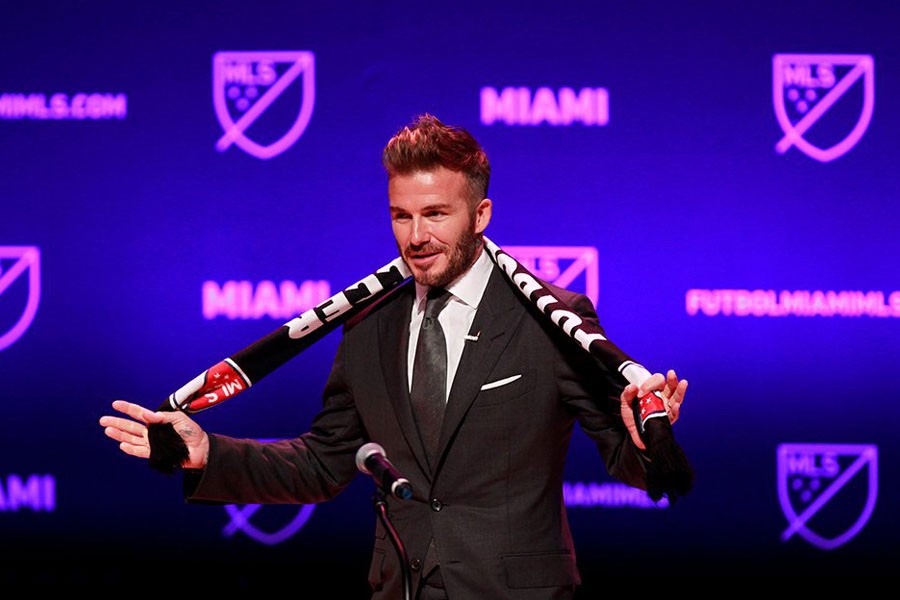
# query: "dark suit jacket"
494 502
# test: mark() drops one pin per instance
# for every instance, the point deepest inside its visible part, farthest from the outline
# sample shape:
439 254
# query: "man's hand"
672 390
132 433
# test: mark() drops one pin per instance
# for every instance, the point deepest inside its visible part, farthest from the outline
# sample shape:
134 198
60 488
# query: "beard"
460 257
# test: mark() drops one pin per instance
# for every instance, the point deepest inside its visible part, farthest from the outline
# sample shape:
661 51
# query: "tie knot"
437 299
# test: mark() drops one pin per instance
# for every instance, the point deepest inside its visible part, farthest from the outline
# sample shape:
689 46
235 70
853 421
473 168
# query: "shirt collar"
468 287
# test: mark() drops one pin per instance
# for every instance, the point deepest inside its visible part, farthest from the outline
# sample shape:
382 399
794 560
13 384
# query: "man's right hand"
132 433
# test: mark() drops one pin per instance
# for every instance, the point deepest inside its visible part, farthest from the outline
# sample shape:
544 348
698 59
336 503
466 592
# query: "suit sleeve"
310 468
592 392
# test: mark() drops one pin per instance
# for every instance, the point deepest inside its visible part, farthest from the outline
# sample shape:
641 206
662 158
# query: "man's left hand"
673 392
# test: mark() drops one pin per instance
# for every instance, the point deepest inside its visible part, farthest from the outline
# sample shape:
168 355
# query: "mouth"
423 260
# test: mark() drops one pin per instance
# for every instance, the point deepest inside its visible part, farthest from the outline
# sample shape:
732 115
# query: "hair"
427 143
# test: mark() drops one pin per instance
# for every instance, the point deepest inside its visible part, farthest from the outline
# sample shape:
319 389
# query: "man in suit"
486 460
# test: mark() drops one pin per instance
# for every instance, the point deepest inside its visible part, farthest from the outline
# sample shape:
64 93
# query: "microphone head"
363 454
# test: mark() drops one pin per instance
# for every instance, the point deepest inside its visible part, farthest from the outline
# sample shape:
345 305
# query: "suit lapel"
495 322
393 342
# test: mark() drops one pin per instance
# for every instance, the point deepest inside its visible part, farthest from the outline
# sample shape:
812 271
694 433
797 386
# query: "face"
436 228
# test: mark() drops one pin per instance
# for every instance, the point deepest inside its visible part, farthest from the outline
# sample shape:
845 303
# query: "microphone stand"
380 502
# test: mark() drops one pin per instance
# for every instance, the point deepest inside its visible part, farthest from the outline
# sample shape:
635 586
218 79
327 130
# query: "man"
487 519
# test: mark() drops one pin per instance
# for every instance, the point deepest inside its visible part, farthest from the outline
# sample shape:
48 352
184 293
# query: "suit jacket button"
415 564
436 505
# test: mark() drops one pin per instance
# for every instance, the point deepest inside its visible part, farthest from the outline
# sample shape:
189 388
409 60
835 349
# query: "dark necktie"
429 381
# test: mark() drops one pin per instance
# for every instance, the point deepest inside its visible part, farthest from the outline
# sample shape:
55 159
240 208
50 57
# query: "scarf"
668 471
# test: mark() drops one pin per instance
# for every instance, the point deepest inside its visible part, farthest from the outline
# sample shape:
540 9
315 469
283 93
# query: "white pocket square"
499 382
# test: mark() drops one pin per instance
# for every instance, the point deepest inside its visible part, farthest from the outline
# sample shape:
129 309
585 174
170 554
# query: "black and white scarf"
669 472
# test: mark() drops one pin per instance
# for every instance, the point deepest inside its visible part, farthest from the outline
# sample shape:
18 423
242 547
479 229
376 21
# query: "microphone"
371 460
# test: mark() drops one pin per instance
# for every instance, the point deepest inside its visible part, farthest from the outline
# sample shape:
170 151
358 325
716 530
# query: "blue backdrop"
731 167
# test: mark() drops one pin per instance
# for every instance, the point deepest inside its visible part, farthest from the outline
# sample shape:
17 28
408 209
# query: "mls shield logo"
20 291
571 267
277 524
280 531
263 100
823 102
827 491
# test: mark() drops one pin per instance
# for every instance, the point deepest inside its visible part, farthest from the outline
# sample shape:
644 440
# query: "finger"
124 425
125 437
671 382
627 400
654 382
676 401
135 450
680 390
674 411
629 393
136 411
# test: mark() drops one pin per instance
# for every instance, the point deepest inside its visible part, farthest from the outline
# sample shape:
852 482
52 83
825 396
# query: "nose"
420 234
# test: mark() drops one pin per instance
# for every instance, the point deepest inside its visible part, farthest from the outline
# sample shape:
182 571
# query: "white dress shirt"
456 317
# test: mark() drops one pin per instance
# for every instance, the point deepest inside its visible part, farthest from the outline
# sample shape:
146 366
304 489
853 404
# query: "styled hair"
427 143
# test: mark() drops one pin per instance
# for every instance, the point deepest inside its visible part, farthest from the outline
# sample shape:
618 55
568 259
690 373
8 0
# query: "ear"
483 215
